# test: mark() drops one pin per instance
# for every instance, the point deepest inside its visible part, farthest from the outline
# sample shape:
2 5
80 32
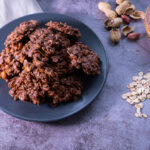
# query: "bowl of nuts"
147 20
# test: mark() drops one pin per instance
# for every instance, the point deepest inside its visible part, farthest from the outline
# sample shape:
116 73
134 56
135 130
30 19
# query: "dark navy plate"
92 85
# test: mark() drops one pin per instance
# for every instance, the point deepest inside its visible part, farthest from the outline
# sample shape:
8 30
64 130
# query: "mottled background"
109 122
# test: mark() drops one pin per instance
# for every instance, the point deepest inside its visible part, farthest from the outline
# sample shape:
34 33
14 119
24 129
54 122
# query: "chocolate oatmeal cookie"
64 28
82 57
20 32
42 64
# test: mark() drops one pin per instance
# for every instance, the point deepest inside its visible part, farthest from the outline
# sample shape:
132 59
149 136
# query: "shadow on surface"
74 119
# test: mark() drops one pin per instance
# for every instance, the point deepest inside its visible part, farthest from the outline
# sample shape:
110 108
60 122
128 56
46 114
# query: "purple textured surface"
109 122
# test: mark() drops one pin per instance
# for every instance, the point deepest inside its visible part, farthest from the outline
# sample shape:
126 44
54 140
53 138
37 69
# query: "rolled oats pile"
139 92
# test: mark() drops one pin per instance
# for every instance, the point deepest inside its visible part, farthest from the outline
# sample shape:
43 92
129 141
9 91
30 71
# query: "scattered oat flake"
138 110
144 115
140 114
129 100
140 73
139 92
136 115
148 96
124 96
141 105
146 91
137 106
135 78
143 81
140 78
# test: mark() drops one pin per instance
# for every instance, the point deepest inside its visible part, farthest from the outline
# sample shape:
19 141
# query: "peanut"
119 1
138 15
3 75
120 9
103 6
106 8
27 69
113 22
133 36
7 50
20 45
130 10
125 18
127 29
21 59
110 13
115 35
